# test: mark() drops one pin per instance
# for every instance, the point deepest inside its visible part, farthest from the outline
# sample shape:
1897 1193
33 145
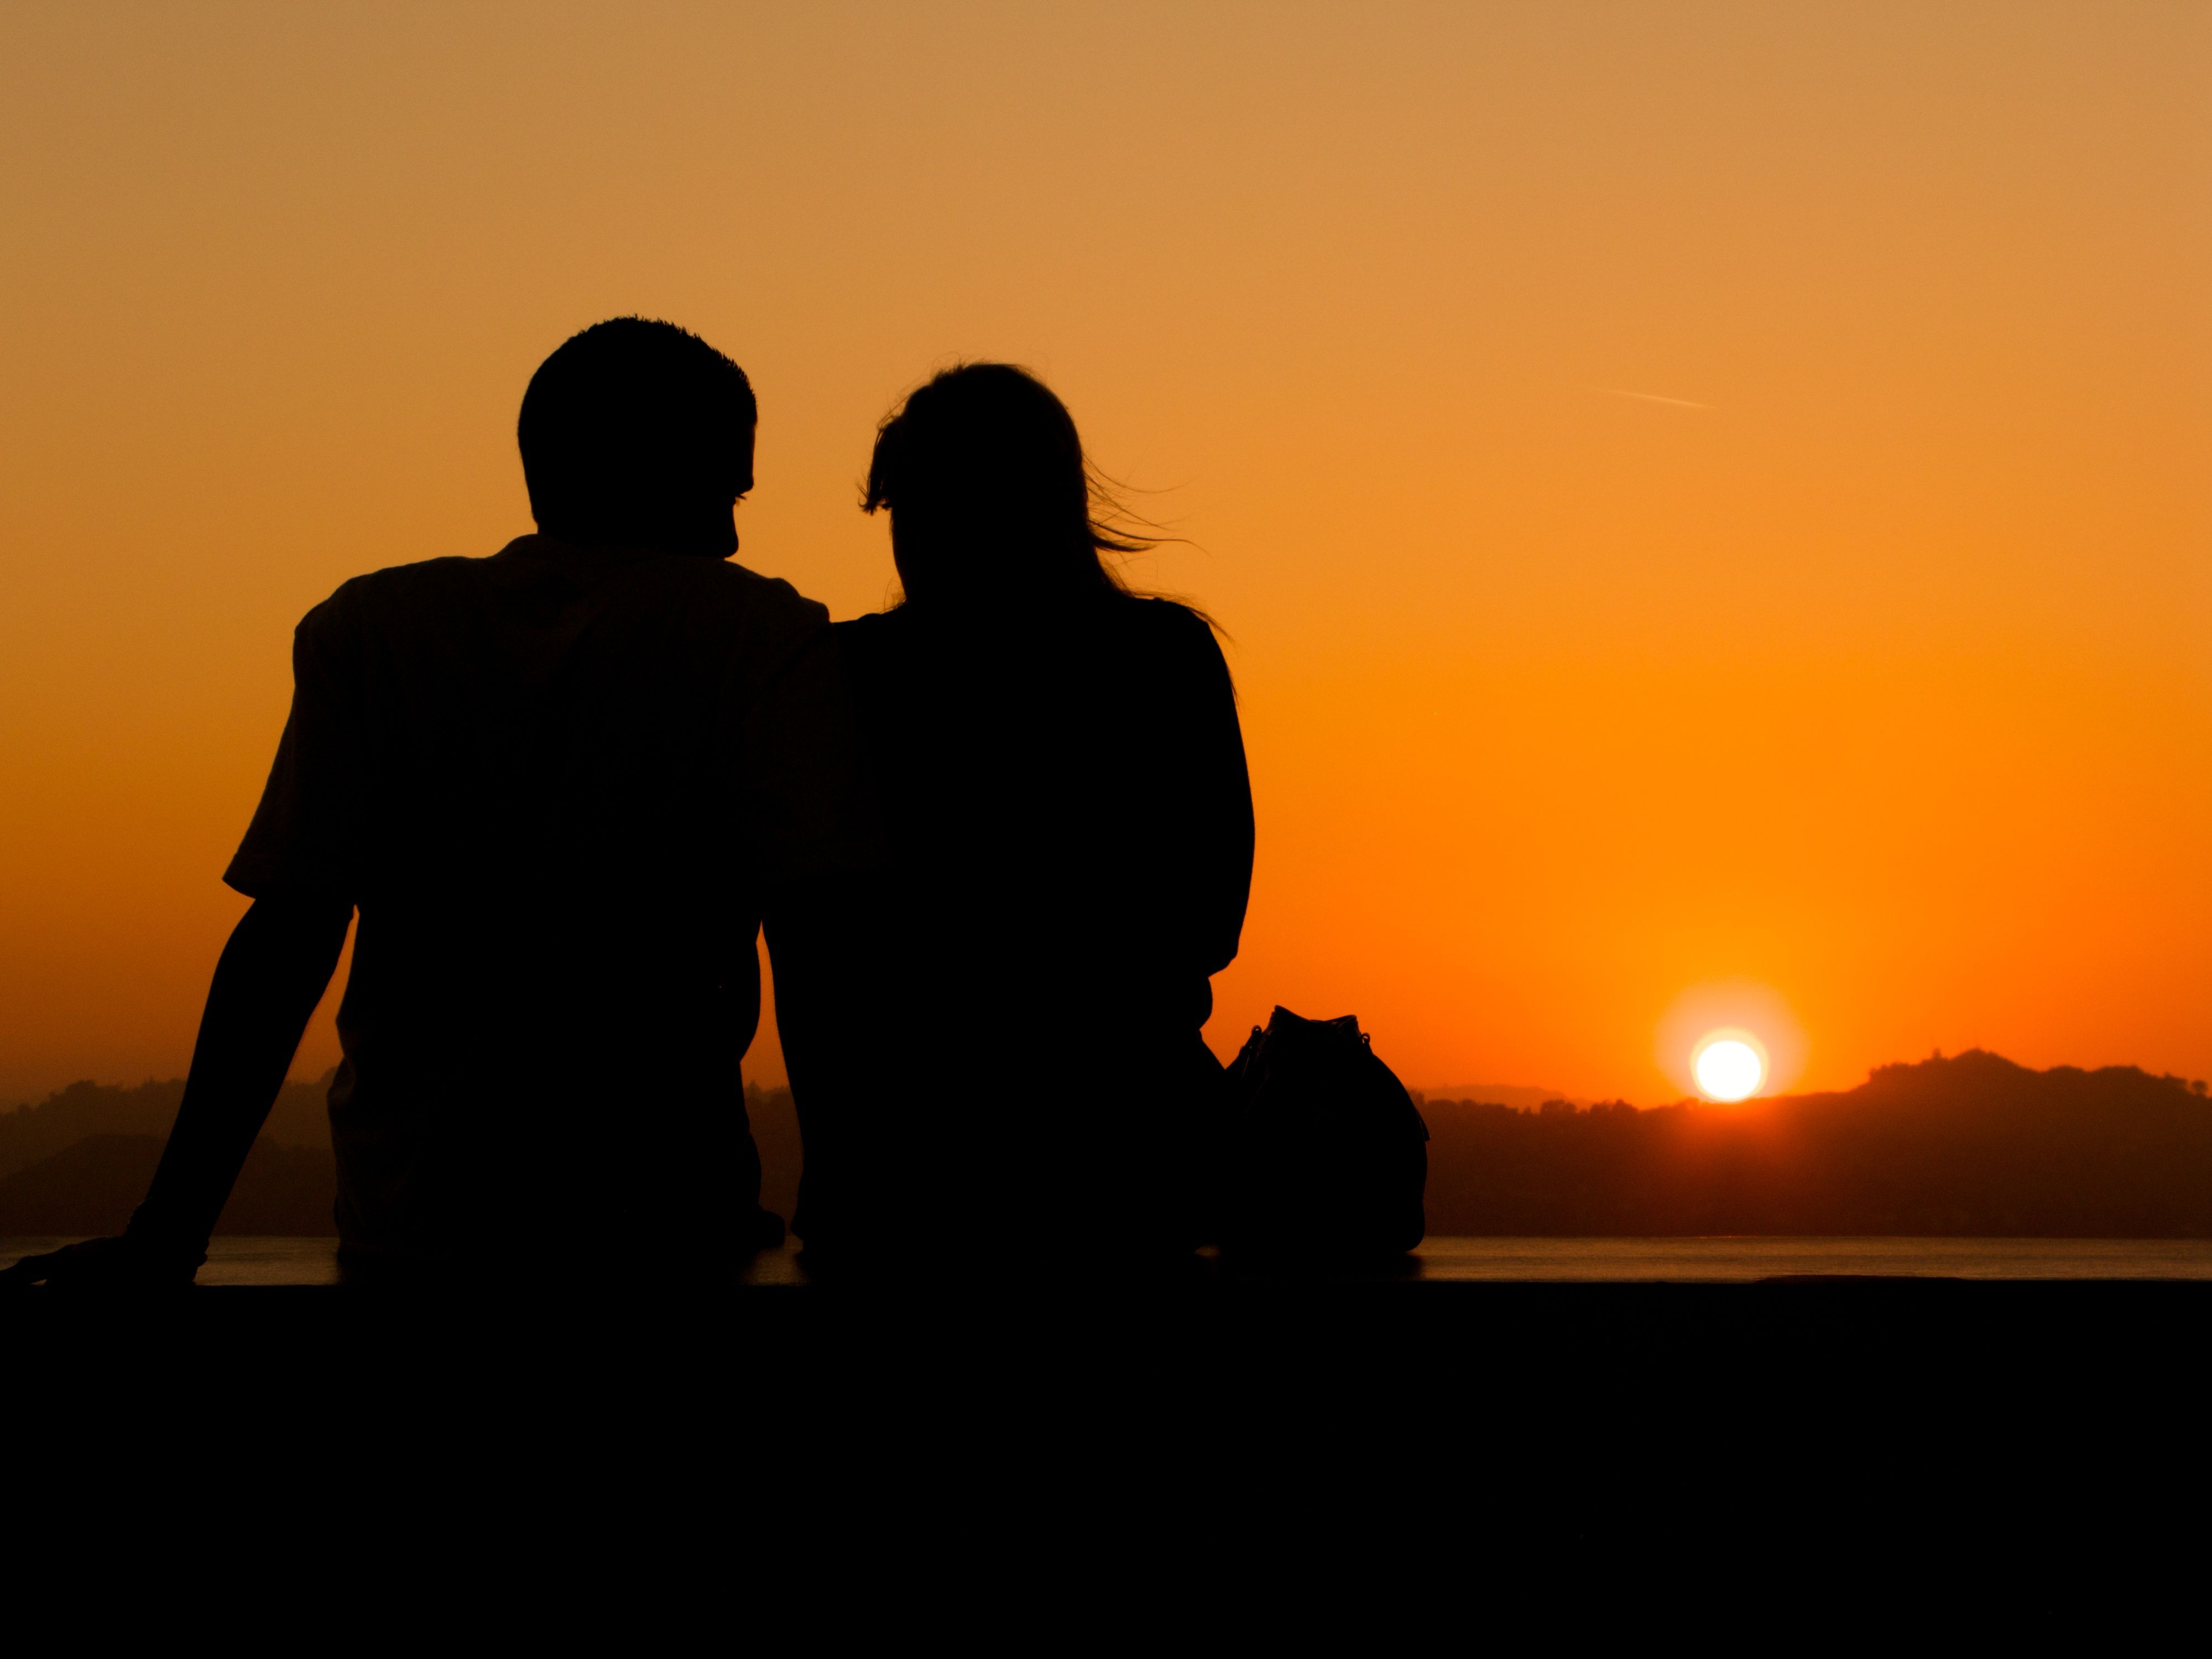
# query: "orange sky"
1863 654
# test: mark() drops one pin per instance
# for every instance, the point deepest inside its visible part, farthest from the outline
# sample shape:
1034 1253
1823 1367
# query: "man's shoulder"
398 589
405 590
774 601
756 626
874 629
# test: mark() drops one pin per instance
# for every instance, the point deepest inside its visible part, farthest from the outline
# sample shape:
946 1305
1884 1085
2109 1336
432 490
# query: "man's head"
640 433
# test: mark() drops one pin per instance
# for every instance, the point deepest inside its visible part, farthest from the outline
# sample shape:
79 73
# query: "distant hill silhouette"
30 1133
94 1185
1970 1145
1973 1145
1521 1097
78 1162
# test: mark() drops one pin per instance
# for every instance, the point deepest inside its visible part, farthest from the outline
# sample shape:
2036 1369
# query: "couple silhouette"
998 836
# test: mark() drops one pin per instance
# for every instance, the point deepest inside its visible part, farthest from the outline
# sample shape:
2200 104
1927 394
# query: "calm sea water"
1713 1261
1744 1260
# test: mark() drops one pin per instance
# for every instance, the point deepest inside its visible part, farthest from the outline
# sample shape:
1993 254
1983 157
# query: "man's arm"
812 822
270 978
839 1040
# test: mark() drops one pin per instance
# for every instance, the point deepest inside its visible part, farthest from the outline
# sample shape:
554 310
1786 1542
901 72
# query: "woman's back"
1070 830
1009 1047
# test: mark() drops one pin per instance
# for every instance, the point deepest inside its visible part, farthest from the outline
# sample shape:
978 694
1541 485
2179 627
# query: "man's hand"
270 976
126 1264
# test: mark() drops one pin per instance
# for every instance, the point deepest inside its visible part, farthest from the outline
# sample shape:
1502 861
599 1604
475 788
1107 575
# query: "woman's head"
989 494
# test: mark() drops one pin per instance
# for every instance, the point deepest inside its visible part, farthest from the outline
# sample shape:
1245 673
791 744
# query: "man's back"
558 784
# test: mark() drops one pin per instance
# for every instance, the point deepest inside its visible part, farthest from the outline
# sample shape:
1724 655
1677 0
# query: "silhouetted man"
561 786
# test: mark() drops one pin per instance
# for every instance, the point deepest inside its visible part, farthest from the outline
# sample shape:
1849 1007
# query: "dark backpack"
1327 1154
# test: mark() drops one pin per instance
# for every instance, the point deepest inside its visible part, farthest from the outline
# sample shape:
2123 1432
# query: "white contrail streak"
1649 397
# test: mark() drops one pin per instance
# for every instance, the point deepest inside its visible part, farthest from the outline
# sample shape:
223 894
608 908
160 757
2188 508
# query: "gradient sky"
1702 496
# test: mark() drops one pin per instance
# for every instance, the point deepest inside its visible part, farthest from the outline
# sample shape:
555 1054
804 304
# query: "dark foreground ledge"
1578 1314
1927 1413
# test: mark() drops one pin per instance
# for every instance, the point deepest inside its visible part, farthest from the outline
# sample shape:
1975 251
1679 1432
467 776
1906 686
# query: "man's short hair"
627 419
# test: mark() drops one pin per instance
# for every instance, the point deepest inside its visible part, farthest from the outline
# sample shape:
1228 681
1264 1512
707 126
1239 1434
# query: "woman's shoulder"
1168 622
1173 635
1142 624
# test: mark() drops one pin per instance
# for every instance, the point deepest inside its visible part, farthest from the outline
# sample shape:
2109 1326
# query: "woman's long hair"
990 496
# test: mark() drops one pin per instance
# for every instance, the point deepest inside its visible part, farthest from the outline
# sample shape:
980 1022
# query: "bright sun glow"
1729 1068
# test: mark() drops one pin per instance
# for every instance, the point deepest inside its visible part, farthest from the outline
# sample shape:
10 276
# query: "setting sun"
1729 1066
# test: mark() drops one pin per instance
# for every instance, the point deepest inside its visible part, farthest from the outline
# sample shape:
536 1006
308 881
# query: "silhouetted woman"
1063 783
